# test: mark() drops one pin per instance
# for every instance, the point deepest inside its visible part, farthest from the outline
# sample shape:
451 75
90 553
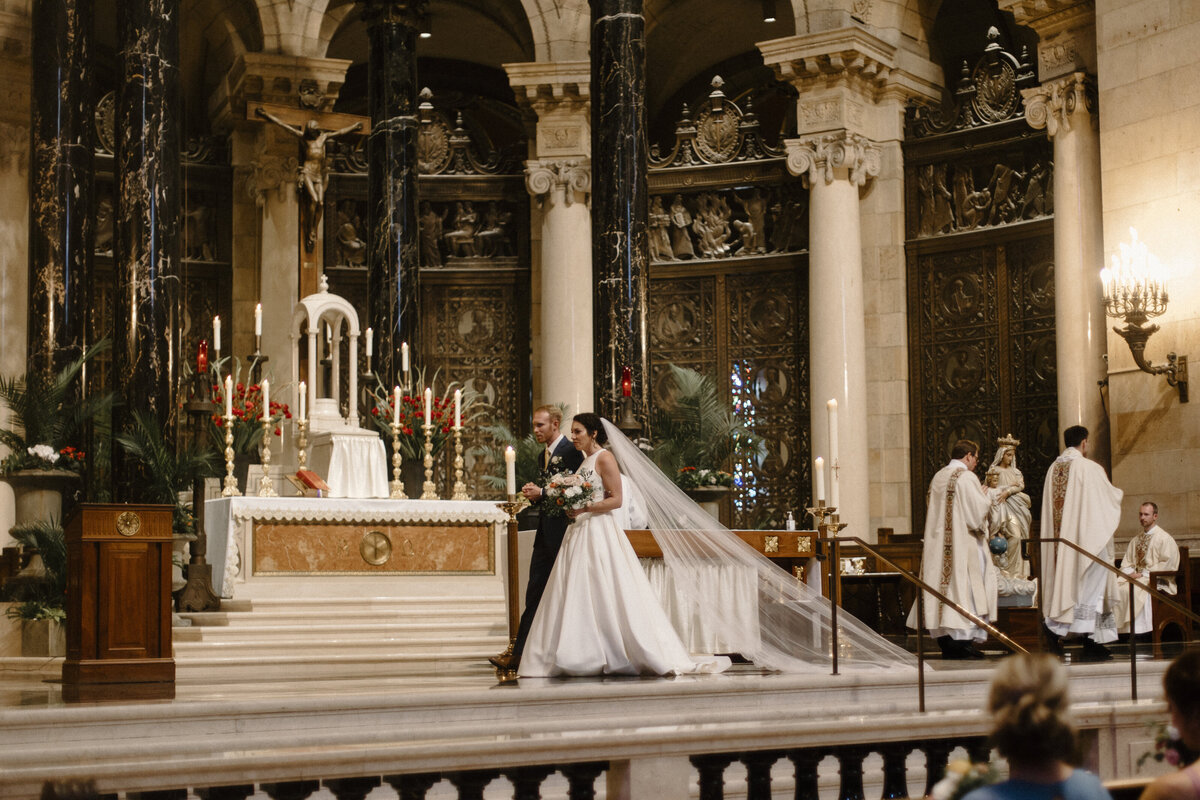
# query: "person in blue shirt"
1029 707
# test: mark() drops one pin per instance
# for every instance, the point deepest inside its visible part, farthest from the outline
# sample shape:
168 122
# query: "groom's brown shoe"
503 661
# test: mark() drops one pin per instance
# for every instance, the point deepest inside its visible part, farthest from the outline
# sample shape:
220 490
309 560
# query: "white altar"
298 546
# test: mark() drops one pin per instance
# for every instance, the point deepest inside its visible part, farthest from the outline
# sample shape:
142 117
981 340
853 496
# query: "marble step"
312 611
332 644
271 631
206 666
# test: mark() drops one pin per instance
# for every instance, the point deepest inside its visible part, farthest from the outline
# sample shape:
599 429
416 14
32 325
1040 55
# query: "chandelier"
1135 290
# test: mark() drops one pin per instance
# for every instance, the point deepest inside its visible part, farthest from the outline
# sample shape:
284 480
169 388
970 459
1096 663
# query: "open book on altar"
309 483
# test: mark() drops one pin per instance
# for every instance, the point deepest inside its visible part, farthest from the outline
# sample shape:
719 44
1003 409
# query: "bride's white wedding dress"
599 614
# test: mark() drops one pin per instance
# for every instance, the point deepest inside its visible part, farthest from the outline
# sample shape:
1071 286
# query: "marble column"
1066 108
561 190
834 166
60 225
558 175
393 271
146 242
620 244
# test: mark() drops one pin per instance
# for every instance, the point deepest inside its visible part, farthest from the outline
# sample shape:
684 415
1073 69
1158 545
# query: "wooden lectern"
119 595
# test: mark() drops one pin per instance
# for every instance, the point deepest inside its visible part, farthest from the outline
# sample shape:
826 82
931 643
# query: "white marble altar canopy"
324 310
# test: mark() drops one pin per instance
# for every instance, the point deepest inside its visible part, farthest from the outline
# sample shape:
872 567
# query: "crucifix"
314 130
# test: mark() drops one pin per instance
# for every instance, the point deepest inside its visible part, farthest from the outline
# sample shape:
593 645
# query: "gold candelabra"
826 519
265 489
231 487
397 485
428 490
460 488
302 445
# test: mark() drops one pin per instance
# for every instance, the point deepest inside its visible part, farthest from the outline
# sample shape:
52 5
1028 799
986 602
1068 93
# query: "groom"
559 456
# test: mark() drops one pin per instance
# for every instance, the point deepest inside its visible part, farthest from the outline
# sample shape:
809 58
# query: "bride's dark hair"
592 424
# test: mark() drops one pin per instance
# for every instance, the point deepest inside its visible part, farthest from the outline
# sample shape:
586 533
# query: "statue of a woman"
1011 518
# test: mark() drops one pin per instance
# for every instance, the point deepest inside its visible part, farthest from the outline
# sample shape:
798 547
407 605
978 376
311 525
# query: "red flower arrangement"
247 417
412 420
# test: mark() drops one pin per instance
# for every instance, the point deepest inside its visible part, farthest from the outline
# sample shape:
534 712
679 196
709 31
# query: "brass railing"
1133 584
835 590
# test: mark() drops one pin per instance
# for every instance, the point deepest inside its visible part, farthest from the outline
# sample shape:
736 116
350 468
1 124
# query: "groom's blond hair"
553 412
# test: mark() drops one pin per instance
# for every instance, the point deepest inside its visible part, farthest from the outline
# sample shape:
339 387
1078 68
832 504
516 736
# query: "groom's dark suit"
550 531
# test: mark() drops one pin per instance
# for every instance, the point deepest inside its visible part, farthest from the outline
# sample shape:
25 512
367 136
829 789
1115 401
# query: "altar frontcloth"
301 537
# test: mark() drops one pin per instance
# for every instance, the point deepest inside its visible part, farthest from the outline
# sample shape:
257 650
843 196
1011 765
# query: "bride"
599 614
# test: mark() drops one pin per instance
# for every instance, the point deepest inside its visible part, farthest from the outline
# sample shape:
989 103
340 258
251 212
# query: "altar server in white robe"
955 560
1079 505
1151 550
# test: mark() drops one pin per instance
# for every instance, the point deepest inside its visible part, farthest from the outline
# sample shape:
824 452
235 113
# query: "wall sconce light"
1135 291
768 9
426 29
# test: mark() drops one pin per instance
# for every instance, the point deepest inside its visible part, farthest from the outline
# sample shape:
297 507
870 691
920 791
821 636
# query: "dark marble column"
146 247
393 272
60 182
620 246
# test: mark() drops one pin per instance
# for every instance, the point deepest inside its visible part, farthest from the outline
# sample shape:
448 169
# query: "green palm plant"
168 469
40 595
700 431
47 411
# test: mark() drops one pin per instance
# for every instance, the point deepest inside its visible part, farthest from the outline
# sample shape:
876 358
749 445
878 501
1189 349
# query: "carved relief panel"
983 356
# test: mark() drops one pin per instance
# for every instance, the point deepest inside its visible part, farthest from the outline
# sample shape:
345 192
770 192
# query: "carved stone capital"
14 146
272 168
571 175
851 59
819 156
1066 32
298 81
556 97
1054 103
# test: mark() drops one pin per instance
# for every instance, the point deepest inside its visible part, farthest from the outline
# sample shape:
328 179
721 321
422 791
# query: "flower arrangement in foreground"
693 478
568 491
1168 747
961 777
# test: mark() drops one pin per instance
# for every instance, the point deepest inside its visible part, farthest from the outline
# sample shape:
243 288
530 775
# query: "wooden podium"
119 596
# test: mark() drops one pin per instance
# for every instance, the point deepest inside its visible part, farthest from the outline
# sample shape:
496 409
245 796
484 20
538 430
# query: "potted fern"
44 435
698 436
36 595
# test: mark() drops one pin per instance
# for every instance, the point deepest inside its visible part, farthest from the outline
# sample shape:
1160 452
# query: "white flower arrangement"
43 451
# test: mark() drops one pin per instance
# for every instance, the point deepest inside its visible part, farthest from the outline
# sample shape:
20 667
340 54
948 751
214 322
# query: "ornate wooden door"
980 278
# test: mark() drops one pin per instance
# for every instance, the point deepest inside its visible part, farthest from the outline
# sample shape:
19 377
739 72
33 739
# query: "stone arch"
560 29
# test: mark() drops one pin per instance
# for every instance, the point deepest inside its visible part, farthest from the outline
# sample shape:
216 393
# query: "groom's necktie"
546 458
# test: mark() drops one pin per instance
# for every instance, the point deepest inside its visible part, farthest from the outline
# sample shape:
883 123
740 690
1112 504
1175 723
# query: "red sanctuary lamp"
628 423
202 356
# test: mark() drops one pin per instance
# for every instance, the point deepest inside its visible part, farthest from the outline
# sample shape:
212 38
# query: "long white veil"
788 627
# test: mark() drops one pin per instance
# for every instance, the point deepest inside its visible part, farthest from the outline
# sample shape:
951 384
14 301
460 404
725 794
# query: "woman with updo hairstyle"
1181 684
1031 729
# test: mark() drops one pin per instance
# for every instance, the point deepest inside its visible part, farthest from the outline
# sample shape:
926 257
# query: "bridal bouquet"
567 492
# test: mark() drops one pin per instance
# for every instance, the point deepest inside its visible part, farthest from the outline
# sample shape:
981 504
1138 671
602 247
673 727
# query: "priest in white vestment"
1152 550
1079 505
955 560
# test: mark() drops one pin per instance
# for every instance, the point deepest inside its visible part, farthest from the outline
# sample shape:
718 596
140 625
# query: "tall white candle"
404 356
396 400
258 319
303 400
217 333
510 470
458 408
229 395
266 391
428 406
370 342
833 452
819 479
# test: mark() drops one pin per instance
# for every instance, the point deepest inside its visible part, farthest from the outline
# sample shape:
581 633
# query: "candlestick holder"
825 518
231 487
428 490
265 489
397 485
256 361
460 488
302 444
514 504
